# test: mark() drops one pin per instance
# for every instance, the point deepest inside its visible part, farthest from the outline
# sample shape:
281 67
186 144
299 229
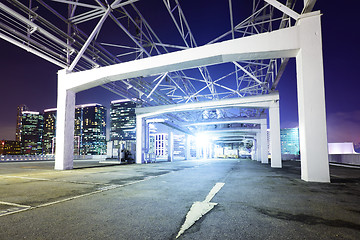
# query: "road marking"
199 209
28 178
214 191
13 204
14 209
20 208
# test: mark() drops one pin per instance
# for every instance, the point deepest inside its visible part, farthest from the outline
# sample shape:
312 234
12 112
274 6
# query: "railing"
48 157
18 158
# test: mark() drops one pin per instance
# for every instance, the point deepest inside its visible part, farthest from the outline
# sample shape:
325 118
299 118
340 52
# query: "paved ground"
151 201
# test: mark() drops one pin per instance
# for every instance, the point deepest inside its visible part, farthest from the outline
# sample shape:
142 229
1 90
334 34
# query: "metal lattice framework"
78 35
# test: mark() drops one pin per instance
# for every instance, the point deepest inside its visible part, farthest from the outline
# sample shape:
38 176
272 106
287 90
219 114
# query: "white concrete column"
204 150
275 143
140 139
253 149
65 124
311 101
187 147
257 147
198 150
171 146
264 143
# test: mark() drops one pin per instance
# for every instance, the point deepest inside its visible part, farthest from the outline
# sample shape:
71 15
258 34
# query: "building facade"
20 110
49 131
123 121
90 129
161 144
8 147
31 132
290 143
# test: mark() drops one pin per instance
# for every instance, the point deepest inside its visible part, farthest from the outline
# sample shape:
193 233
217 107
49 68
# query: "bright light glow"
88 105
202 139
30 112
50 110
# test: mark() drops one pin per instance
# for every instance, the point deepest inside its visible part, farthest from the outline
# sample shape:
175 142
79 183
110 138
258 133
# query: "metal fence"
18 158
47 157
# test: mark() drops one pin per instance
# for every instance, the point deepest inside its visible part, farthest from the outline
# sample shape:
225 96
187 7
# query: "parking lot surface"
152 201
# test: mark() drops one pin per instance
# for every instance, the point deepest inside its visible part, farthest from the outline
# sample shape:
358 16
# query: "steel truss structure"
147 51
78 35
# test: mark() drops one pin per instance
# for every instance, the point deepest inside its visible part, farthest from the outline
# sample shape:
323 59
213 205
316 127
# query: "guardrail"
19 158
48 157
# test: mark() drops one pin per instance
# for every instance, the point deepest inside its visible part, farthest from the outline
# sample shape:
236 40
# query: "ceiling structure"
78 35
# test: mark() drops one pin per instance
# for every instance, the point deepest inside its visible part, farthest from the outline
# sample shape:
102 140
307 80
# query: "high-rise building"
123 121
8 147
90 128
20 110
290 141
49 130
31 132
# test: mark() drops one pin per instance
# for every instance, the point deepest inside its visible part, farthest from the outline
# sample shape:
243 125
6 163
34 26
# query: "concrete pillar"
253 149
198 150
257 147
264 143
187 147
171 146
140 139
65 123
274 117
311 101
204 150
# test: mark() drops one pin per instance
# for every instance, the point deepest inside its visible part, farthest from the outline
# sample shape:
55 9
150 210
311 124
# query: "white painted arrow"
199 209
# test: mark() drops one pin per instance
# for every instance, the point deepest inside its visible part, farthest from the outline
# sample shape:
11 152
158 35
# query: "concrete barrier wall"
353 159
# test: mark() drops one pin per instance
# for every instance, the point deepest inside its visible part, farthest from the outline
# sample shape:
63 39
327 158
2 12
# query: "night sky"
30 80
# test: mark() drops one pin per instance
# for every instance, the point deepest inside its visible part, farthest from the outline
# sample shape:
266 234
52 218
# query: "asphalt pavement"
152 201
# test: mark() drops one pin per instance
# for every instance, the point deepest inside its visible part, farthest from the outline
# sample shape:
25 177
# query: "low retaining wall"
353 159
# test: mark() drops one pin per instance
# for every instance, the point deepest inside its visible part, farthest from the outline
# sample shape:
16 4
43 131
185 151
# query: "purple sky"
30 80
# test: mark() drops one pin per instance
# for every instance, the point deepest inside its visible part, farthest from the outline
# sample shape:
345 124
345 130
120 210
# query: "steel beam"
284 44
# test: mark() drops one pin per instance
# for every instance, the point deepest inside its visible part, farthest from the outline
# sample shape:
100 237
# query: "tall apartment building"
49 130
20 110
90 128
123 121
31 131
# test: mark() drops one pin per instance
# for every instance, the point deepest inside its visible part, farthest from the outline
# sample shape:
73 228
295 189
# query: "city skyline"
25 75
